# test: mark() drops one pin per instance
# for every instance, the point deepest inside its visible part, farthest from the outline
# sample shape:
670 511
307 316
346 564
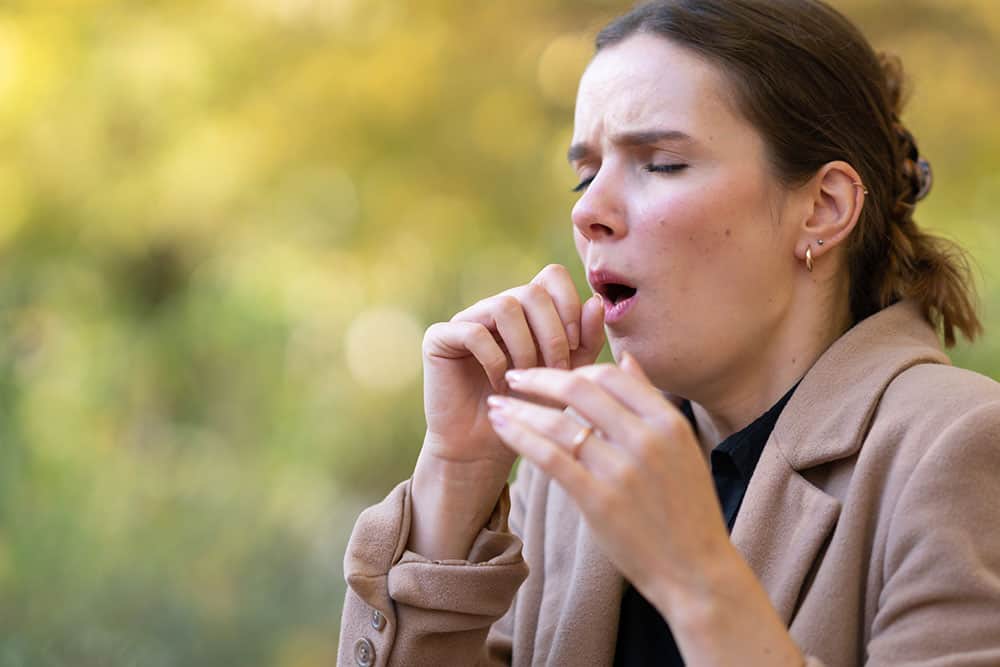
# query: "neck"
750 389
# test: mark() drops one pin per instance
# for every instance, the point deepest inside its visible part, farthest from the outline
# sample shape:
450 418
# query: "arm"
435 559
940 604
429 612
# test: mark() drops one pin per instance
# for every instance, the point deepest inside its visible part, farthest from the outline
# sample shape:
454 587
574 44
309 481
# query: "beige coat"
873 521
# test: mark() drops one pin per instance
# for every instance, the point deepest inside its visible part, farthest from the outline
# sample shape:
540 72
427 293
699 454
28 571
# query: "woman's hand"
639 477
643 486
463 465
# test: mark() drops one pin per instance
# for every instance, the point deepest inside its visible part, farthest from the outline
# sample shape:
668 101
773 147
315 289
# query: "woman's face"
679 204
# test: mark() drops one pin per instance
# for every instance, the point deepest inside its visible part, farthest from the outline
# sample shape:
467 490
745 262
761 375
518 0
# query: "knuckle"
498 362
434 332
646 443
674 426
553 270
576 383
554 342
626 475
475 333
552 423
507 304
475 330
434 329
534 293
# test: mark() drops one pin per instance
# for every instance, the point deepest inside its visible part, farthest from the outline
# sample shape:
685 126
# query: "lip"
613 312
603 276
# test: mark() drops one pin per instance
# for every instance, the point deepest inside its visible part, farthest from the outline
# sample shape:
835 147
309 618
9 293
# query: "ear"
837 196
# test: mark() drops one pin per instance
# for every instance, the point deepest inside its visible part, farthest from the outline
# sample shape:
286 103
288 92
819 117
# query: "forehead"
647 82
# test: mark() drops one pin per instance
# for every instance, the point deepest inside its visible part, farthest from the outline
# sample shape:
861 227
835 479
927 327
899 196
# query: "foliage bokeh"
224 226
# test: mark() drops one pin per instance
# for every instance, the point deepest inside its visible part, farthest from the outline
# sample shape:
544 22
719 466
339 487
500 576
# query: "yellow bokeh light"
383 348
560 66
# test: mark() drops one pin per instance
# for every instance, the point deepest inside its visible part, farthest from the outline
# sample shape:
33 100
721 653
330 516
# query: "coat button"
378 620
364 653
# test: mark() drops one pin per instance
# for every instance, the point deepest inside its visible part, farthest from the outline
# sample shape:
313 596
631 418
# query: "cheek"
684 224
720 218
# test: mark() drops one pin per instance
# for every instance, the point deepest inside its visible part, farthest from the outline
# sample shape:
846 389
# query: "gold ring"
580 438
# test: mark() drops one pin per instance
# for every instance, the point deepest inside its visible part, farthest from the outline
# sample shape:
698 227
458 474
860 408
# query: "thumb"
591 333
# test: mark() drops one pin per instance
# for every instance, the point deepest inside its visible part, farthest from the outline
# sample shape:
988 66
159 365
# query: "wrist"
723 615
450 504
692 595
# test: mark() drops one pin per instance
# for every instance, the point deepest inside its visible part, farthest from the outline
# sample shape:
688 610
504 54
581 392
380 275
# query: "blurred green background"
224 226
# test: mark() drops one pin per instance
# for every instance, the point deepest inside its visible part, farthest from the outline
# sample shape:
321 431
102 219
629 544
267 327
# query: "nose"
600 212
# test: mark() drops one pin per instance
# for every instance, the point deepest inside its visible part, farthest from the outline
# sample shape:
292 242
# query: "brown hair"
810 82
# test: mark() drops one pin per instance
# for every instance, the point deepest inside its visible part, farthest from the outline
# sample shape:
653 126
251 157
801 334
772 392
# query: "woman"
746 223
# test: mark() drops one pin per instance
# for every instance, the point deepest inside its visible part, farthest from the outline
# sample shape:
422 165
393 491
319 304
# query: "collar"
744 447
826 418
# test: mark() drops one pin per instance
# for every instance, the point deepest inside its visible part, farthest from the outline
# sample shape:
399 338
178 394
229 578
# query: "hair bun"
896 83
915 168
925 177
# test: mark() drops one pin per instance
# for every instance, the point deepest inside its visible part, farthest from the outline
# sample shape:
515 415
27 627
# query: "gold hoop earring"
809 258
859 184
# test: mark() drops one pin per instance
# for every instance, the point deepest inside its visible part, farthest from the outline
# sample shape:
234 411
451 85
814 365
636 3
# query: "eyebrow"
639 138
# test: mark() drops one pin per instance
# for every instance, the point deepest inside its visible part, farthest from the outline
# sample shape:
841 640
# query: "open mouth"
616 292
619 296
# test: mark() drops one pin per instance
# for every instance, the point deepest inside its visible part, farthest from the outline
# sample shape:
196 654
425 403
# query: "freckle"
729 232
691 238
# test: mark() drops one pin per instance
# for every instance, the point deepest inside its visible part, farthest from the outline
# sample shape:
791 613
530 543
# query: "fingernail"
573 333
600 304
514 377
497 419
563 364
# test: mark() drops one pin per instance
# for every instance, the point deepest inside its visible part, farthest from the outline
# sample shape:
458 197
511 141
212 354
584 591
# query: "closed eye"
583 184
652 168
665 168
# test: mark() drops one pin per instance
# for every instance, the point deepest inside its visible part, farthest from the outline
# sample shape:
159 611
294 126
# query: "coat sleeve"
403 609
940 602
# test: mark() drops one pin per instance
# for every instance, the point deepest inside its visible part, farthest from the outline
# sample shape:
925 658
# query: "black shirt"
643 635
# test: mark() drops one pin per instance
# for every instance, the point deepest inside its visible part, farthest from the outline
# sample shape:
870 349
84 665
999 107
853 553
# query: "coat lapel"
781 528
785 520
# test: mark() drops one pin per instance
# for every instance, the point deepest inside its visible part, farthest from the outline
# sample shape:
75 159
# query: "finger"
631 365
591 333
455 340
557 281
585 396
546 327
503 313
559 427
633 390
629 385
552 459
